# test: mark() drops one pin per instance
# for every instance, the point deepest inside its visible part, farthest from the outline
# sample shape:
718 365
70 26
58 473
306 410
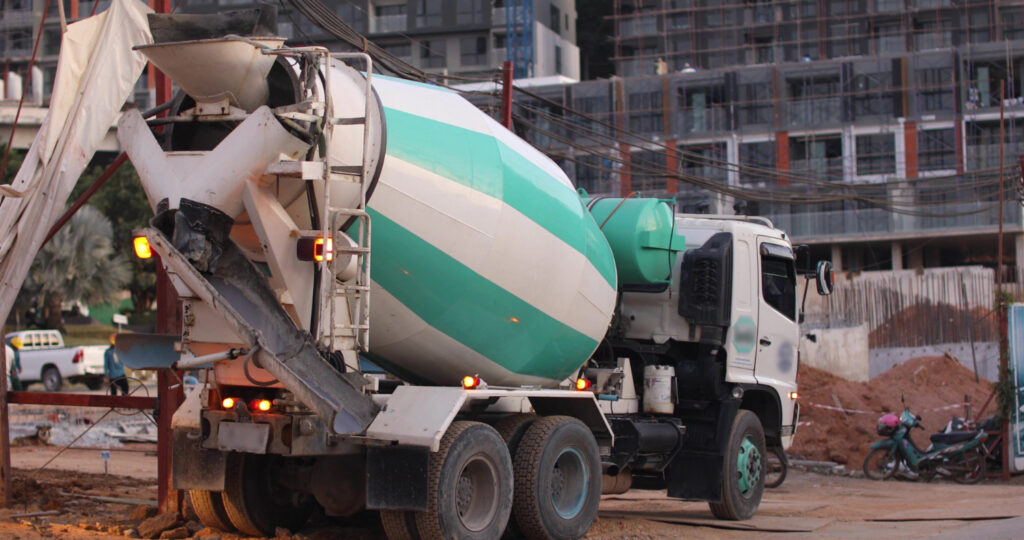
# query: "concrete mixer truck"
527 348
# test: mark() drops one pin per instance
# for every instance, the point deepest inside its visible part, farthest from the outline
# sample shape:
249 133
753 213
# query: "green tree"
78 264
124 203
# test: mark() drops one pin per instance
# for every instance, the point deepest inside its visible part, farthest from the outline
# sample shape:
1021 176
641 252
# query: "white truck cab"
748 321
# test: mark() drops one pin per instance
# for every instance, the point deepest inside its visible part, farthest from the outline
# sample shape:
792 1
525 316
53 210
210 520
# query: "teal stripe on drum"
471 309
482 162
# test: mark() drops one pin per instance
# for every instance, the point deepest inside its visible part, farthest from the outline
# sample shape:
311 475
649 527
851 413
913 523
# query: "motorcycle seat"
953 437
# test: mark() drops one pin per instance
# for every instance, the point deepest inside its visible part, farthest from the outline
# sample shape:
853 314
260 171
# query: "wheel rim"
476 494
748 467
569 482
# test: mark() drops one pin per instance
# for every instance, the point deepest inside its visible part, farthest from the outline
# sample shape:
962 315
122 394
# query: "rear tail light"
262 405
228 403
78 357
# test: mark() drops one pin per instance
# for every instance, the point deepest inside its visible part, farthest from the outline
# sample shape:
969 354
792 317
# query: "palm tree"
79 264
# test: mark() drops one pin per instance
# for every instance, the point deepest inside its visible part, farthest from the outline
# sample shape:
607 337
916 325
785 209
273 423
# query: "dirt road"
808 505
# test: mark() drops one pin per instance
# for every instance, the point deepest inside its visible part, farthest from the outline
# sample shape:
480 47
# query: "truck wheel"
743 474
512 428
254 502
210 508
399 524
51 379
558 479
469 485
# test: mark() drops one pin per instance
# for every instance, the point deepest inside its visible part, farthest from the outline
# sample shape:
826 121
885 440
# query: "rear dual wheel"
558 479
254 501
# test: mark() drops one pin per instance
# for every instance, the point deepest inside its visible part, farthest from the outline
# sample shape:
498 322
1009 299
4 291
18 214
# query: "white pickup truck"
44 358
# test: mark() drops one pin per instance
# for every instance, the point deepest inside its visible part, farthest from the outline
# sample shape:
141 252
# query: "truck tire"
743 469
399 524
210 508
558 479
253 501
512 428
469 485
52 380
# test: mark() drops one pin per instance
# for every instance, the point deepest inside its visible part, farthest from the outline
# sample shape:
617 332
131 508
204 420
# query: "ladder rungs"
351 250
348 170
354 121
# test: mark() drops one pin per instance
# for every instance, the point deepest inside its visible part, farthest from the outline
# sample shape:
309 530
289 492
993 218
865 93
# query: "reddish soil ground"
926 383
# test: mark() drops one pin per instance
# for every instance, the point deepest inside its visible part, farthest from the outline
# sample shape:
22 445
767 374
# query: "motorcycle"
959 455
776 467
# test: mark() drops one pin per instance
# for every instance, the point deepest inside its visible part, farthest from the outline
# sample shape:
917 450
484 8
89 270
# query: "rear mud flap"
194 466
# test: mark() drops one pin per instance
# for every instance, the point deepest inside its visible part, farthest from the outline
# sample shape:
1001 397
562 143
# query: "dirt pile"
927 383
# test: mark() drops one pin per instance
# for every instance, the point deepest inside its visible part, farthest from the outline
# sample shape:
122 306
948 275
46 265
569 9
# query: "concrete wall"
840 351
987 354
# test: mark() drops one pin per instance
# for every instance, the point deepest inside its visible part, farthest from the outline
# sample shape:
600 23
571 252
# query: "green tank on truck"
397 305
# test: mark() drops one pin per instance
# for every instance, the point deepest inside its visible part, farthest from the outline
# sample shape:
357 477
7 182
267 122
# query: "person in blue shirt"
15 370
114 370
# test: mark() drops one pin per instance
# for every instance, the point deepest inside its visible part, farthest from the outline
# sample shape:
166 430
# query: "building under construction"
868 129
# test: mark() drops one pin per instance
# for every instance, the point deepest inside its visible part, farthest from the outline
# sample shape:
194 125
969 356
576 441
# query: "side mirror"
823 278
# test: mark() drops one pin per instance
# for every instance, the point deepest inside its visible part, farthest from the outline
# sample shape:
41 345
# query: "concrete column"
837 257
897 256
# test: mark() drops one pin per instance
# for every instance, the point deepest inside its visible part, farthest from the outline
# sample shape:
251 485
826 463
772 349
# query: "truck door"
777 331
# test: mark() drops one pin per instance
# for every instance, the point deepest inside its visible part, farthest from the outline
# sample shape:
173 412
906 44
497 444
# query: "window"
469 12
432 53
645 112
754 156
401 50
778 281
556 16
20 40
474 50
936 150
499 41
390 18
558 60
428 13
876 154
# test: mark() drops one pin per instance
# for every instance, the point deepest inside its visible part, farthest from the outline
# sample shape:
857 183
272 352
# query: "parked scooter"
958 455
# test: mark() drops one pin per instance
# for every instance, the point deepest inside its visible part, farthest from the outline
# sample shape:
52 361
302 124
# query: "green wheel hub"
748 467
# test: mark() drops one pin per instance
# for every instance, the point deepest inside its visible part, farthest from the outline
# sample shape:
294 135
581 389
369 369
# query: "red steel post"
506 94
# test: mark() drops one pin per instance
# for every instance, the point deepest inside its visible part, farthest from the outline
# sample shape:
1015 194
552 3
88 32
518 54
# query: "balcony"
882 223
388 23
813 111
639 26
702 120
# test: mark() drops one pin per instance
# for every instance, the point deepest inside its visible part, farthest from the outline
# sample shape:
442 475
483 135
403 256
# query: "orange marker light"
794 395
142 248
583 384
228 403
318 250
262 405
470 382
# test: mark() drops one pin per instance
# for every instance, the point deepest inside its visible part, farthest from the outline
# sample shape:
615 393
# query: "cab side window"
778 284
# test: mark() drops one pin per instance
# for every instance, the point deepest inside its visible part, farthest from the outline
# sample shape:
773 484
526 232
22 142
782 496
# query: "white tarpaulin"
96 73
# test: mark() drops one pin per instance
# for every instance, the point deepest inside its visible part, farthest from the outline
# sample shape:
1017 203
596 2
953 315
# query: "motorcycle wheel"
970 468
775 468
880 464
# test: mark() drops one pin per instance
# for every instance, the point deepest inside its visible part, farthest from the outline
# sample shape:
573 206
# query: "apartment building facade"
838 111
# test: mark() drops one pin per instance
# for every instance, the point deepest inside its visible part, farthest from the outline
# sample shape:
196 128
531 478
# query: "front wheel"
743 470
880 464
970 468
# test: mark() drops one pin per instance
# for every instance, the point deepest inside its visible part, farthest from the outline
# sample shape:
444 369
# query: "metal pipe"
196 361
